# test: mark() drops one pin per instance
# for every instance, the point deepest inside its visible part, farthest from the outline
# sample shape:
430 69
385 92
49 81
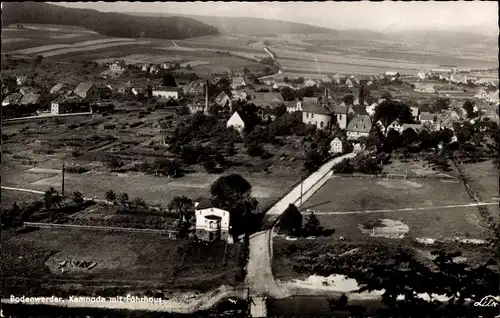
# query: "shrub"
76 153
109 126
110 195
209 165
135 124
345 166
255 150
77 197
72 126
76 169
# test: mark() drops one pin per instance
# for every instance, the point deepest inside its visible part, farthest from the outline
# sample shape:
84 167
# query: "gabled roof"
360 123
221 96
338 108
416 127
310 100
267 97
56 88
316 109
83 88
12 99
30 99
426 116
166 89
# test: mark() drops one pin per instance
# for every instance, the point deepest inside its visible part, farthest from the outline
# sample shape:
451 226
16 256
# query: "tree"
469 108
138 203
210 165
246 70
37 60
364 93
254 149
291 220
111 195
386 95
77 197
169 80
348 99
314 160
286 79
51 197
183 206
123 198
280 110
312 226
188 67
345 166
288 94
233 193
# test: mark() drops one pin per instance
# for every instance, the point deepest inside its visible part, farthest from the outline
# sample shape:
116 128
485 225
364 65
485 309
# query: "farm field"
484 177
123 259
8 197
431 199
47 145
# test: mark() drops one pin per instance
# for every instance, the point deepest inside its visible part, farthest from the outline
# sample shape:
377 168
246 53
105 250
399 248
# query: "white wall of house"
166 94
236 122
354 135
341 120
336 146
54 108
319 120
201 221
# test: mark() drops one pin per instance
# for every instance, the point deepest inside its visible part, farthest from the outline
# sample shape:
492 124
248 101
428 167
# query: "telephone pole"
62 190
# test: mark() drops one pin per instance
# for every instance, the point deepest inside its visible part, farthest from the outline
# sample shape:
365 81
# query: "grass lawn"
484 178
122 258
9 197
343 194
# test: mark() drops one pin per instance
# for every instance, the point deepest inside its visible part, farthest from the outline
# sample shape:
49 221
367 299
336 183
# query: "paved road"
260 277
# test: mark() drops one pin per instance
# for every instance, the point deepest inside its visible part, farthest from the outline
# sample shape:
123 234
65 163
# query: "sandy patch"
92 47
42 170
104 262
66 36
385 228
13 40
400 184
426 241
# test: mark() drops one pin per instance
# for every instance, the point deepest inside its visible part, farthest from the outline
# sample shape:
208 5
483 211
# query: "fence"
100 228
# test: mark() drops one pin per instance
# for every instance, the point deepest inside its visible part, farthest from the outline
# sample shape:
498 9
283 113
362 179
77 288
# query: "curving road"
260 277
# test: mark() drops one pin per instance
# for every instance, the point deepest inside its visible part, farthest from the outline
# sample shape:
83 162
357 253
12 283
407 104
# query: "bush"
255 150
76 153
210 165
76 169
72 126
77 197
109 126
344 166
110 195
135 124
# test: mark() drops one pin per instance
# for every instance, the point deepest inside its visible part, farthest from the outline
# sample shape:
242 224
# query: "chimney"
206 98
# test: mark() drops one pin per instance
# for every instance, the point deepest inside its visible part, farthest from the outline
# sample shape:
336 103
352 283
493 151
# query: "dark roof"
30 99
84 87
203 203
316 109
360 123
426 116
267 97
310 99
13 99
338 108
167 89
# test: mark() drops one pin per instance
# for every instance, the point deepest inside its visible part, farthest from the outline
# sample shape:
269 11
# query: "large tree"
469 108
233 193
183 206
291 220
389 110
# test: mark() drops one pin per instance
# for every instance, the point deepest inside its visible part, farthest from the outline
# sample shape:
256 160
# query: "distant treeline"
110 24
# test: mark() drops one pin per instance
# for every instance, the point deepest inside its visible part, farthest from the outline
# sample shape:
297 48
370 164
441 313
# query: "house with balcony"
212 223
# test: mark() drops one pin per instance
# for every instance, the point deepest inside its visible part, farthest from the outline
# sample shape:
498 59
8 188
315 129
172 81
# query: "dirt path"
259 277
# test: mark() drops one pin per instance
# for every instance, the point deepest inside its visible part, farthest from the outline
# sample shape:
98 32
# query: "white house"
310 83
145 68
211 223
492 97
370 109
167 92
317 115
236 122
426 117
414 112
117 66
395 125
481 94
336 146
348 82
359 126
340 115
422 75
294 106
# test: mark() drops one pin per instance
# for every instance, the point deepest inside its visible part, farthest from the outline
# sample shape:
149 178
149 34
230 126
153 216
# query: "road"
260 277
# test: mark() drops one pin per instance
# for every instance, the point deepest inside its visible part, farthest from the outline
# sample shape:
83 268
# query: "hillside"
110 24
249 26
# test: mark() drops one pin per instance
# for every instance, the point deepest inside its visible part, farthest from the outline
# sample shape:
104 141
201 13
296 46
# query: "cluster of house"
454 75
491 97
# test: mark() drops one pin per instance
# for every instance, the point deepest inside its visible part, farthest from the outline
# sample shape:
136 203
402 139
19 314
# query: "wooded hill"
109 24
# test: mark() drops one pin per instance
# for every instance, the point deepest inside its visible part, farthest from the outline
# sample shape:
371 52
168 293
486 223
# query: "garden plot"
67 36
74 45
91 48
13 40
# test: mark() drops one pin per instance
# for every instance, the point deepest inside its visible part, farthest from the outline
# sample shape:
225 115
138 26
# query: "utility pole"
301 186
62 190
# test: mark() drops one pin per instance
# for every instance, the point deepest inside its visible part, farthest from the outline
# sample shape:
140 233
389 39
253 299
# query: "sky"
377 16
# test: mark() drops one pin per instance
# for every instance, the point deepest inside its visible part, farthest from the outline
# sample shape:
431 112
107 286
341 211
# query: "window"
307 115
321 124
312 115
